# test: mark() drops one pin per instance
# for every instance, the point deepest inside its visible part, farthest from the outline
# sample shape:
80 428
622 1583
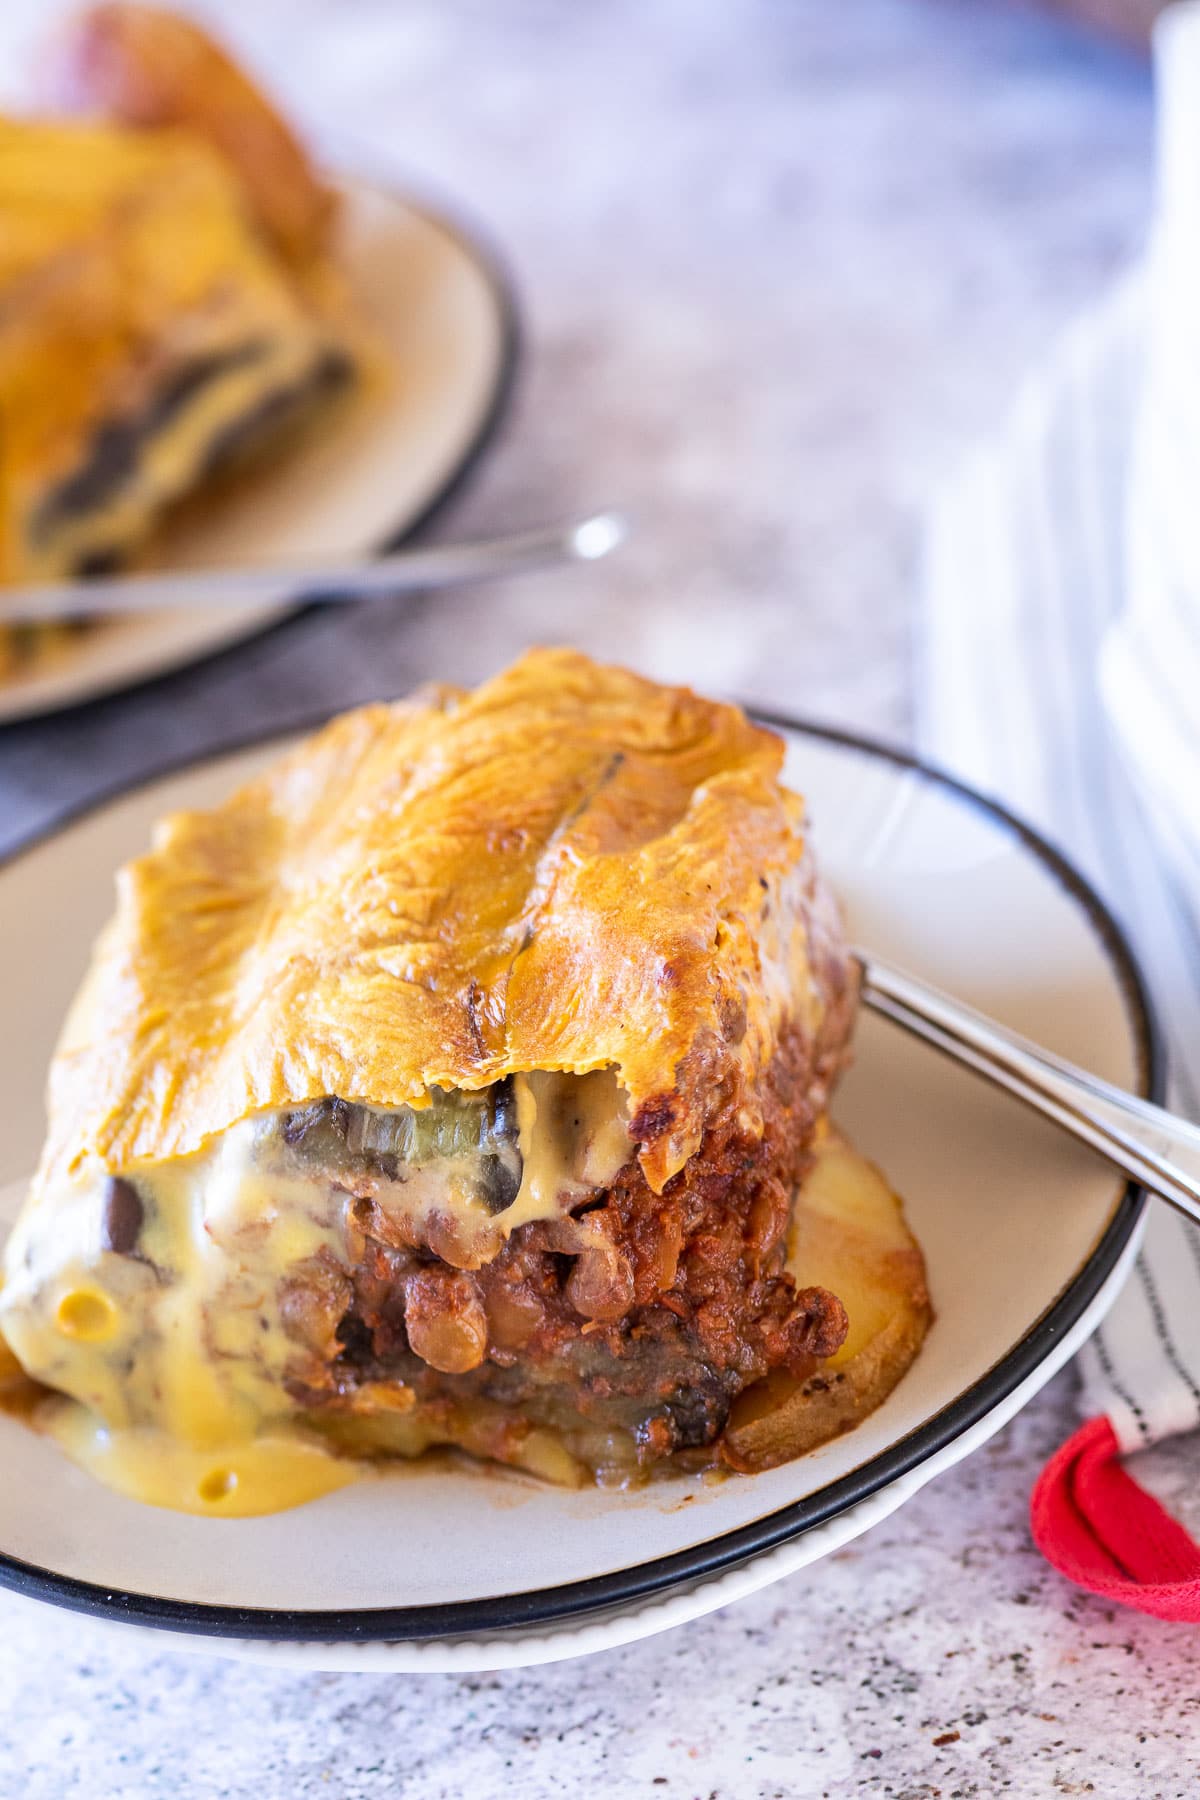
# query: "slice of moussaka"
148 331
463 1081
172 305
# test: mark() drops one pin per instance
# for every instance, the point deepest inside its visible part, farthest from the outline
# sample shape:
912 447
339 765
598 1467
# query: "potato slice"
848 1235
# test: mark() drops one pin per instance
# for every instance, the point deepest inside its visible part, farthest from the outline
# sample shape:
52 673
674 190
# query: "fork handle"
353 578
1153 1146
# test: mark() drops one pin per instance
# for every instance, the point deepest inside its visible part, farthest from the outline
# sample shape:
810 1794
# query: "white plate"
445 313
1023 1233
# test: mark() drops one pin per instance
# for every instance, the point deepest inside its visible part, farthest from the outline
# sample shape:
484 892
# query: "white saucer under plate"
444 312
446 1567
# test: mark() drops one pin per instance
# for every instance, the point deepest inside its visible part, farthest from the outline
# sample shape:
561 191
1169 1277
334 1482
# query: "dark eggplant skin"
336 1137
122 1216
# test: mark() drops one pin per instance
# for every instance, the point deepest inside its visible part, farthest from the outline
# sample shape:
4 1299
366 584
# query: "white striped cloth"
1060 670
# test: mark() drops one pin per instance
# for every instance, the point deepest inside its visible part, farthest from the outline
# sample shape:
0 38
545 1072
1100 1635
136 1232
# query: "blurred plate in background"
363 479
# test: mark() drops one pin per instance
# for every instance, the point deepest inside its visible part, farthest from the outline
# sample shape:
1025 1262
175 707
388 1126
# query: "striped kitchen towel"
1060 670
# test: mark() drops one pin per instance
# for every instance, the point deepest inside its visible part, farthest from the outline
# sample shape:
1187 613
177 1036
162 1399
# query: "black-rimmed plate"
1026 1238
443 312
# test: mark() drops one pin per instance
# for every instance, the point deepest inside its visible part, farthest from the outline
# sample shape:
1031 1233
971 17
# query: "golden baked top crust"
146 66
570 868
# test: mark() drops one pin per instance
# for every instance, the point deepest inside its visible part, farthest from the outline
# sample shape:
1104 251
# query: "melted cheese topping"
175 1358
574 1136
263 1475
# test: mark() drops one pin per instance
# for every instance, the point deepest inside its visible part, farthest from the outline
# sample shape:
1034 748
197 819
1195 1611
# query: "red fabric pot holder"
1094 1523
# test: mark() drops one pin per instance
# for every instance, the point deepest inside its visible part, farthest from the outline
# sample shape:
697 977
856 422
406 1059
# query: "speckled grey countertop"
780 263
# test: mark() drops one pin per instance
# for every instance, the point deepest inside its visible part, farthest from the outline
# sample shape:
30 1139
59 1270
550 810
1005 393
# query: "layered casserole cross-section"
451 1084
171 298
146 333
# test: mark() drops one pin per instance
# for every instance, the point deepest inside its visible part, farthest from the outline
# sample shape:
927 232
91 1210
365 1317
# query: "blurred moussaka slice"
451 1084
148 333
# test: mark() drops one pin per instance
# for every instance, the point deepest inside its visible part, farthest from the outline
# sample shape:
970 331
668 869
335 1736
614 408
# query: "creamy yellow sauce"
267 1474
174 1361
574 1136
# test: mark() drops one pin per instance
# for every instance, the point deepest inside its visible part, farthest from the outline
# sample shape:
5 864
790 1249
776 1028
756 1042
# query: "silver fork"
1145 1141
348 578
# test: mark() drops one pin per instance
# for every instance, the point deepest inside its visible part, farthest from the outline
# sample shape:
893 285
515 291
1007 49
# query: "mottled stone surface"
780 263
